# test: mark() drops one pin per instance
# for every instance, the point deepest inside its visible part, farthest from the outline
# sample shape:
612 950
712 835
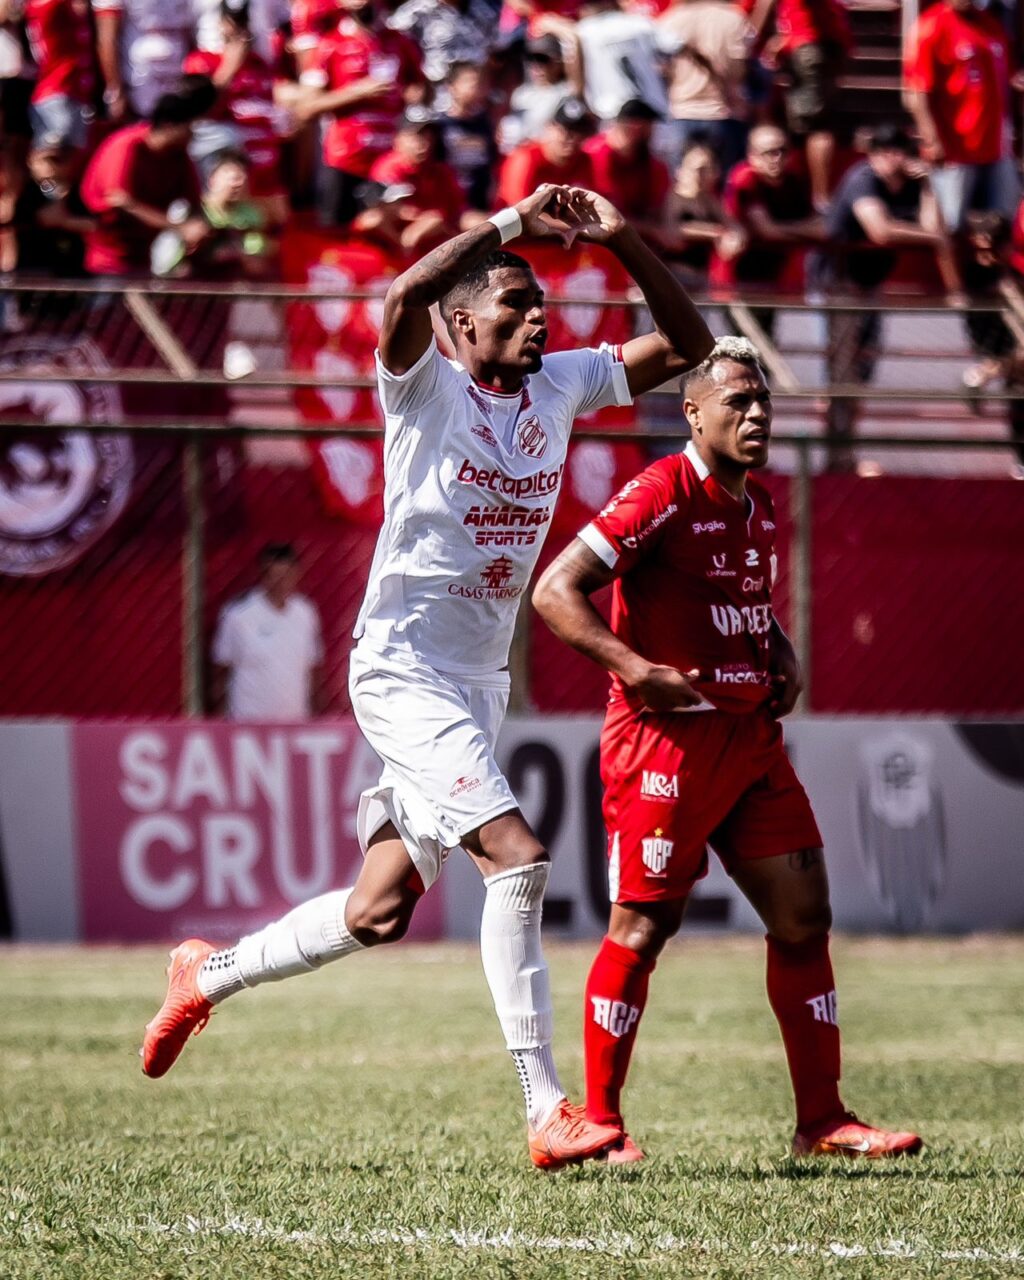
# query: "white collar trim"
697 462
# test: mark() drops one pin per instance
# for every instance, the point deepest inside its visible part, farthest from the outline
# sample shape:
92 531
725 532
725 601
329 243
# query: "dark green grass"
365 1122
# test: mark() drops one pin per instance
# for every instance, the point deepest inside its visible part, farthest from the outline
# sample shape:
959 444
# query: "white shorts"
435 735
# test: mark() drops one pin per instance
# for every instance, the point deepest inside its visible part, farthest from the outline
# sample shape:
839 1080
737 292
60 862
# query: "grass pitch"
365 1121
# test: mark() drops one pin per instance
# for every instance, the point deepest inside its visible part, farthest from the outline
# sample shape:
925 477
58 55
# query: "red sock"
615 998
801 992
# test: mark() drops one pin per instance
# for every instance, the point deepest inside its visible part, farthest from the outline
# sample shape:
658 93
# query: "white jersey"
270 653
471 477
620 60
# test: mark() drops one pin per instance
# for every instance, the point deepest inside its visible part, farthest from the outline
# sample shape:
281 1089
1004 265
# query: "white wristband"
509 224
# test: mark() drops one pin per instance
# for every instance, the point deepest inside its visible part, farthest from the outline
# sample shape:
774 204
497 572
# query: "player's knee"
374 923
645 934
803 924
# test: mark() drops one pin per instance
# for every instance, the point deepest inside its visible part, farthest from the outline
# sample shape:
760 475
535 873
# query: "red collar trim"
494 391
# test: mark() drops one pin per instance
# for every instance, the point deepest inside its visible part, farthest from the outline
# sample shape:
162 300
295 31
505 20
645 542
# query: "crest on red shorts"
656 852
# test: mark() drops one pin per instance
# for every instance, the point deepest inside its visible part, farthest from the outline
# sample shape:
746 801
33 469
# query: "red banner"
215 829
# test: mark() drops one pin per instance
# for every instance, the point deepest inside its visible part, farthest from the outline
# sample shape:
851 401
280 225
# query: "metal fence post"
192 576
801 515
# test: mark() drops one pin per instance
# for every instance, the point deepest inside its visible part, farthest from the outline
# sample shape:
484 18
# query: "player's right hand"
549 212
664 688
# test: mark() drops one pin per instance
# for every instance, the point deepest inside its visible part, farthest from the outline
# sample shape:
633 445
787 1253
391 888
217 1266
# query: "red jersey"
526 168
696 584
637 187
435 185
248 102
801 22
60 33
961 62
124 163
353 141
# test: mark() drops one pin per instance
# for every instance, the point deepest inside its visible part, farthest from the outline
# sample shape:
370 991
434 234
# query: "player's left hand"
786 682
599 219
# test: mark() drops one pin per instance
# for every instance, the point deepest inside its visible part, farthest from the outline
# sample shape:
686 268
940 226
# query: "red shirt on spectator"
354 141
311 21
526 168
60 33
961 62
801 22
435 186
248 102
789 201
124 163
637 186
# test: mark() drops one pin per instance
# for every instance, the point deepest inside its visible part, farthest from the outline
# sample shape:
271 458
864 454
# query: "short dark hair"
456 69
276 552
891 137
174 109
476 279
230 156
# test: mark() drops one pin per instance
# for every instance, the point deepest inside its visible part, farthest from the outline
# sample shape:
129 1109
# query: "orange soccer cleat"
568 1137
626 1152
848 1137
184 1011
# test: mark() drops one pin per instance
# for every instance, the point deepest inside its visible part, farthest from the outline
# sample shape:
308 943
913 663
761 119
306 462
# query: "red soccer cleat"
568 1137
848 1137
184 1011
626 1152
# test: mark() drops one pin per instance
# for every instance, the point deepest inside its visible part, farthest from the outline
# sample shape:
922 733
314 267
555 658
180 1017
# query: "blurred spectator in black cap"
434 209
557 157
467 134
626 172
882 205
552 74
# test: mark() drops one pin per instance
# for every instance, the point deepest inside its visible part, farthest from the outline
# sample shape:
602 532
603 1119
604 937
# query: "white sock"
309 936
517 975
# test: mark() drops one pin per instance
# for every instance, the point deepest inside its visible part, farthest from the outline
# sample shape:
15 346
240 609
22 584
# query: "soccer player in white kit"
474 454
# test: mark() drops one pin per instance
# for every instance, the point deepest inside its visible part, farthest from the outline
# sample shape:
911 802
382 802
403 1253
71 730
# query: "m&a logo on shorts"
533 439
659 786
656 852
462 785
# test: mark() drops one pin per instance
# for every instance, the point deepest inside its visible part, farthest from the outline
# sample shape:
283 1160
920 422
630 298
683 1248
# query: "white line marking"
615 1242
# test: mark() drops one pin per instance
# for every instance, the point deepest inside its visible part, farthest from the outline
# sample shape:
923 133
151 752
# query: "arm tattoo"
805 859
436 274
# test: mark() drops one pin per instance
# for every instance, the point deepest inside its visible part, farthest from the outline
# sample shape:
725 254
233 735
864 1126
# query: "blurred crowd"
178 137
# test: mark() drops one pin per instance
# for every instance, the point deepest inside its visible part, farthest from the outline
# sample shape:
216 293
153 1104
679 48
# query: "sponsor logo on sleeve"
635 540
708 526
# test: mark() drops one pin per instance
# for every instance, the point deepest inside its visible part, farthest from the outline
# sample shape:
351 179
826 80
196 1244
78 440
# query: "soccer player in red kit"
692 752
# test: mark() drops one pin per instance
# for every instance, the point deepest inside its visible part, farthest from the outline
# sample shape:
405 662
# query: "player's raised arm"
406 330
680 339
562 598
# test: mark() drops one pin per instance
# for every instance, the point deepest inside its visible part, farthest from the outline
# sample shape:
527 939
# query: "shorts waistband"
407 658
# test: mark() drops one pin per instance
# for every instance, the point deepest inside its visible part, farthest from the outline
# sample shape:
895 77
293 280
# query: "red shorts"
674 784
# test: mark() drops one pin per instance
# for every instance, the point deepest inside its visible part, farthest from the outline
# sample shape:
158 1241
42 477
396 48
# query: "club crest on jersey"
659 786
656 852
533 439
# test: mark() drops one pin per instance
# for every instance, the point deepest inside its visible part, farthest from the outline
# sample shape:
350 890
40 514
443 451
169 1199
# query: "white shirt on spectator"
270 653
265 17
620 58
155 37
446 34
